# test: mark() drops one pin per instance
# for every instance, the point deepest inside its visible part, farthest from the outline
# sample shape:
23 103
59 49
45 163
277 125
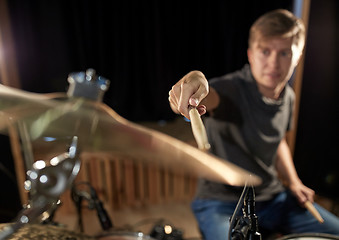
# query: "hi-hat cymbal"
101 129
44 231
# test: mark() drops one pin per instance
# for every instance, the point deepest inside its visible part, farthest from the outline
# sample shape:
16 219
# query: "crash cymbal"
100 129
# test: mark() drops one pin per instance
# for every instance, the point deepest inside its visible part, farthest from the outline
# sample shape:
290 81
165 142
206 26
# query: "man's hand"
190 90
302 193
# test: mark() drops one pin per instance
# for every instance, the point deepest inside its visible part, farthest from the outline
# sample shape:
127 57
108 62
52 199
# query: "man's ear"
299 58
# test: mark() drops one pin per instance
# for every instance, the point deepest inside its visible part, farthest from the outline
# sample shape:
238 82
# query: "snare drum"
124 236
309 236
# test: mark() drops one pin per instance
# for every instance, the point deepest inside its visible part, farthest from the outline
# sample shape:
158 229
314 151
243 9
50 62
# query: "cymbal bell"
100 129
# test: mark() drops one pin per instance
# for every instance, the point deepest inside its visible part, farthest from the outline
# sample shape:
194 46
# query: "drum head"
124 236
309 236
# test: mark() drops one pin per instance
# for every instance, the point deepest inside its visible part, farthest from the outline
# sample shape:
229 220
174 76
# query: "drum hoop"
128 234
322 235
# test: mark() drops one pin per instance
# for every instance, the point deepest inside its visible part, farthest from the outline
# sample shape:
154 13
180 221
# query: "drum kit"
79 121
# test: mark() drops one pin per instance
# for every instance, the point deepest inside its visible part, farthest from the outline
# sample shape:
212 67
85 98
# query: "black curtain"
142 47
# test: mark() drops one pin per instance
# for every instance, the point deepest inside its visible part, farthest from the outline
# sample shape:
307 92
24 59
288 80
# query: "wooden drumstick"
313 211
198 129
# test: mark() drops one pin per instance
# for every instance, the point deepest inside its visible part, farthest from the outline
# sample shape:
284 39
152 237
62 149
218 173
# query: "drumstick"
198 129
313 211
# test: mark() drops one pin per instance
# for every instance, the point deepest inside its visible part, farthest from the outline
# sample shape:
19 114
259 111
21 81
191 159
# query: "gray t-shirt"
246 129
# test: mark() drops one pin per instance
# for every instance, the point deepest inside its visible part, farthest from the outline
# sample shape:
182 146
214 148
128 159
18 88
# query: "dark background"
144 47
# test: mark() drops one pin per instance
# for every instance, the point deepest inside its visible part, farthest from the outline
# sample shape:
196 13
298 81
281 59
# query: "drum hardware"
90 86
94 202
245 227
45 184
87 85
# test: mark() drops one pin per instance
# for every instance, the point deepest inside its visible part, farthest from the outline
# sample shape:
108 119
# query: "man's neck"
271 93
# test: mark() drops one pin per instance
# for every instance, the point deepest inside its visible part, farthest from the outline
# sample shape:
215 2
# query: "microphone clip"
246 226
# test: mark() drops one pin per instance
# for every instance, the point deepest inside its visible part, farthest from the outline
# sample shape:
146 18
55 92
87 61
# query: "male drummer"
249 113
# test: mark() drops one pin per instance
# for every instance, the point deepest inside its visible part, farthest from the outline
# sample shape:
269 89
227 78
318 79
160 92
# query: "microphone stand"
103 216
246 226
94 202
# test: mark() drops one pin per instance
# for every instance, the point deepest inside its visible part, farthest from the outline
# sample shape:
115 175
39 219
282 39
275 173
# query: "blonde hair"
278 23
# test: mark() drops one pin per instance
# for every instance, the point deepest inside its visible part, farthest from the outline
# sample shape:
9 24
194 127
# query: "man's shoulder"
232 79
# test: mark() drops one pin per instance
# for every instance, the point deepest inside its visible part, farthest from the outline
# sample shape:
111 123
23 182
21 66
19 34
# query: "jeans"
282 214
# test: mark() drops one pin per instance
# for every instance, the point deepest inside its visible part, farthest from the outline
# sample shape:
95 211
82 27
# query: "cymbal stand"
46 184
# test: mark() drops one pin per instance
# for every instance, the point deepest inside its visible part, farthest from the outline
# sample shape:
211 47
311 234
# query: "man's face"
272 64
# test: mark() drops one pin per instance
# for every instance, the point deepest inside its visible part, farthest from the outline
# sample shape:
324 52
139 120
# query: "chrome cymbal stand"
46 183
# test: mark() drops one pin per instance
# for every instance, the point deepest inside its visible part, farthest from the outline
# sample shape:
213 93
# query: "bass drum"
124 236
309 236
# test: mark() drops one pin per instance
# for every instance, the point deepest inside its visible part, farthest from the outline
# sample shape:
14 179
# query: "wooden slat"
153 184
109 181
128 182
119 183
139 183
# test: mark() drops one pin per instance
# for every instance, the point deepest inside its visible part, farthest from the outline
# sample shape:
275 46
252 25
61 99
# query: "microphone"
239 226
104 219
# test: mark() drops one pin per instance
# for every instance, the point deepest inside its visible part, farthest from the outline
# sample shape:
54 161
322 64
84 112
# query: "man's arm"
288 174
